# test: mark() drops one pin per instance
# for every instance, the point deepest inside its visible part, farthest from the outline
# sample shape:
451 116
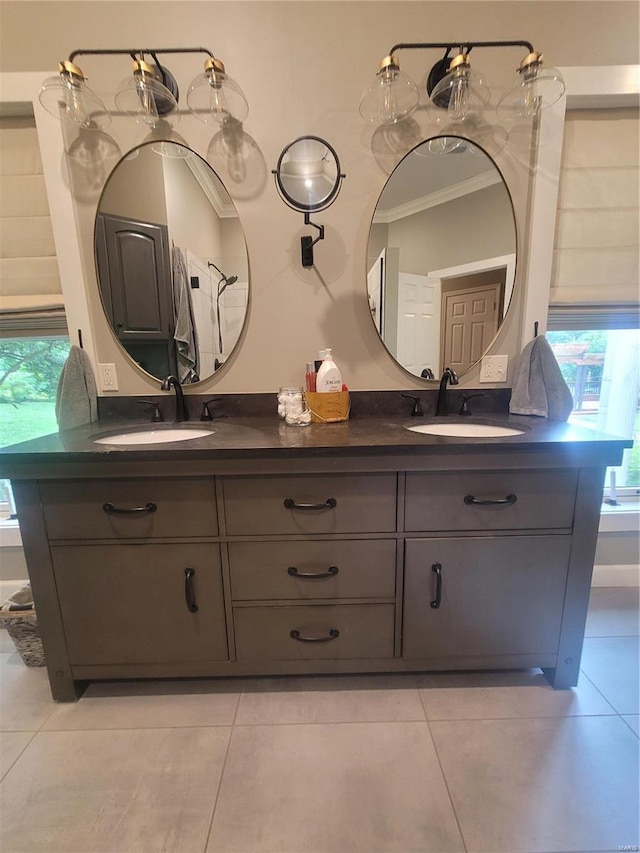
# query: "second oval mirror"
171 261
441 257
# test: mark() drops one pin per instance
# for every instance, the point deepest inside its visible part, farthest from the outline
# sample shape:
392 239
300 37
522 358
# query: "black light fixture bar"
133 52
467 46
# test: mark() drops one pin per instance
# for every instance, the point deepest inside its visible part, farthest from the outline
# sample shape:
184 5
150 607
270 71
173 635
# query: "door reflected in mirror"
441 257
172 263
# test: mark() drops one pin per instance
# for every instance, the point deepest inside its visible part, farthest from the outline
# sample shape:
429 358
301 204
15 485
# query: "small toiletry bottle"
310 376
329 378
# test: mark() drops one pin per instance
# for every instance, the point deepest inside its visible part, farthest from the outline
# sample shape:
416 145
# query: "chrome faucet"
181 408
448 376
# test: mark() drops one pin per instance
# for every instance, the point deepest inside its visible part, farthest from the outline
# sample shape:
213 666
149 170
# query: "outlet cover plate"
108 377
493 368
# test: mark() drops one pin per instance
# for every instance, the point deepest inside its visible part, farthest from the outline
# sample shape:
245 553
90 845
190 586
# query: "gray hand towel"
77 398
538 386
185 329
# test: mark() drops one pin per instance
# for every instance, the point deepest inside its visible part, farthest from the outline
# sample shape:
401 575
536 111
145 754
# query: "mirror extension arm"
307 243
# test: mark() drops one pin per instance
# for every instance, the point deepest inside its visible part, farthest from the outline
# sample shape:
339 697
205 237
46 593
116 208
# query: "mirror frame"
288 198
513 268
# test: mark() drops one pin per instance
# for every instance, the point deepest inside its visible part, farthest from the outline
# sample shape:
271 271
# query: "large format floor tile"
115 791
25 695
542 785
147 705
340 699
336 788
11 745
494 695
613 612
612 664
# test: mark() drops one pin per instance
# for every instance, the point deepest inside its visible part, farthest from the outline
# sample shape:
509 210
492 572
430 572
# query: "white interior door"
419 322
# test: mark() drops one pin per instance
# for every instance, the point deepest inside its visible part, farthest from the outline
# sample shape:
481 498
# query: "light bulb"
462 91
145 99
69 99
537 89
392 97
214 97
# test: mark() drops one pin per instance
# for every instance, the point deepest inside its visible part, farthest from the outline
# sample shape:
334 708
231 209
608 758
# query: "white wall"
303 66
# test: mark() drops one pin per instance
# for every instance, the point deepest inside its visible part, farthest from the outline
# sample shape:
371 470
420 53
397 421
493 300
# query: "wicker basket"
329 407
22 627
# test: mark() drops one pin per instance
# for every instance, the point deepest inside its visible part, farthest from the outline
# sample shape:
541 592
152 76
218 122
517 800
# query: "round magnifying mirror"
172 262
308 174
441 257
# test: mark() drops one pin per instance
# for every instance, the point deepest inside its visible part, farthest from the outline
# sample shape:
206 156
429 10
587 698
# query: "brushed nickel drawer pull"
189 591
510 499
331 572
437 568
330 503
333 633
110 509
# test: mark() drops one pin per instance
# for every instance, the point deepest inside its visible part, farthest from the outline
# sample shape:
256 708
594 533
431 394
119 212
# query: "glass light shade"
214 97
167 142
146 100
392 97
461 92
538 89
68 98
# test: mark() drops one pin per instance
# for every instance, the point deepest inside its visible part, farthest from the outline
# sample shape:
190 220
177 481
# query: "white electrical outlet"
493 368
108 377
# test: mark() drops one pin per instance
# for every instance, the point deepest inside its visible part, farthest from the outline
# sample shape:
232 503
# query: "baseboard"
623 575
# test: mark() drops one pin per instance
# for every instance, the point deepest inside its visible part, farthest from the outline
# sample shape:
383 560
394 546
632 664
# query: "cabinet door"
498 596
130 603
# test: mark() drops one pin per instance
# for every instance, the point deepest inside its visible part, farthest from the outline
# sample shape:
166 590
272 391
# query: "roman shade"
30 294
595 276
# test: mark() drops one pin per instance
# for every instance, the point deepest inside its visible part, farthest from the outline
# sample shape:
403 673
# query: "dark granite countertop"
269 438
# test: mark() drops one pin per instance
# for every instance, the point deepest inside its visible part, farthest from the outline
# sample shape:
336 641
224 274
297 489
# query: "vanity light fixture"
149 95
453 85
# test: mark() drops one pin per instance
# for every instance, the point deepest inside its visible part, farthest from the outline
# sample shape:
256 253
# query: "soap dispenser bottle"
329 378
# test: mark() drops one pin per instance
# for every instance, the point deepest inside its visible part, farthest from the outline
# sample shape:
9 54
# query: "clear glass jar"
290 400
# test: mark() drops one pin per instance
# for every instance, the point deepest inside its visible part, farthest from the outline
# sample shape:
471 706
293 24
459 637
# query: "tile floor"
493 762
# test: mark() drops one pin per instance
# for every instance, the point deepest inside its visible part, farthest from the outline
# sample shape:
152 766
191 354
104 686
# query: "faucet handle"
206 413
417 405
157 414
464 408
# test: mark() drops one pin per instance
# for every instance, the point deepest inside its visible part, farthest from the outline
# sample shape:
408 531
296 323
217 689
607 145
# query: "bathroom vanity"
340 548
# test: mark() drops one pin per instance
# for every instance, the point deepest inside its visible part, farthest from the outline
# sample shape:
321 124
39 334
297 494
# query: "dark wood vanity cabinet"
154 574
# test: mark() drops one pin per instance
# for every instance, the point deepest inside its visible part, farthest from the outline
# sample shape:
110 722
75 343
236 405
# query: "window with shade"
594 301
33 334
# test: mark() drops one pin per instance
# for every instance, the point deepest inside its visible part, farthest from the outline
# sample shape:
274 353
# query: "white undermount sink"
154 436
462 430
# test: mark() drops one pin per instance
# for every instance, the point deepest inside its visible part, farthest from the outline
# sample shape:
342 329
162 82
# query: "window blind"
30 293
596 253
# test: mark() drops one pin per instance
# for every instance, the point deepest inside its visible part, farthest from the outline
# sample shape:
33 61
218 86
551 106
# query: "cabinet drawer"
322 503
334 569
76 509
332 632
498 596
438 502
128 603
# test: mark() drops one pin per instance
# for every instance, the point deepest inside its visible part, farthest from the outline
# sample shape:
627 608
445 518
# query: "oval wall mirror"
441 257
171 262
308 174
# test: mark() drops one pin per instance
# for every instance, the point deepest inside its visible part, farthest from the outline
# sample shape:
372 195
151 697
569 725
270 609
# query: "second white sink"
154 436
465 430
